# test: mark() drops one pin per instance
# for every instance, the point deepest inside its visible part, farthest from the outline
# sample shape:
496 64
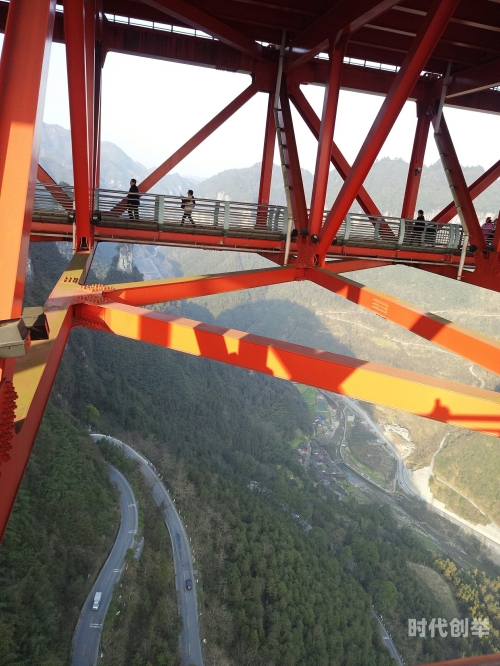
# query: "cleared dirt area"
370 457
439 588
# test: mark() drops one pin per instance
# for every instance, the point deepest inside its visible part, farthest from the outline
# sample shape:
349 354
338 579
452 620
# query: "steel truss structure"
438 53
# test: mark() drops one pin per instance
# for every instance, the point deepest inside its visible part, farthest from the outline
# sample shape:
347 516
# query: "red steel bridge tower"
436 53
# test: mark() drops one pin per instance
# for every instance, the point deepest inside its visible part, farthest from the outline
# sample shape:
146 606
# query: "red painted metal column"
97 114
478 187
416 161
23 79
458 186
34 377
325 138
428 35
297 195
90 66
76 43
266 171
340 163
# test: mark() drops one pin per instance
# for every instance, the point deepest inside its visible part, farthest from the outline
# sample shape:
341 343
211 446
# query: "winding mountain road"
387 640
190 644
87 634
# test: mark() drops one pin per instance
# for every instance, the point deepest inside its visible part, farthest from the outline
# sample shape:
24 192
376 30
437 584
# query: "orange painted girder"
23 79
484 660
437 399
196 239
161 291
34 376
466 343
245 244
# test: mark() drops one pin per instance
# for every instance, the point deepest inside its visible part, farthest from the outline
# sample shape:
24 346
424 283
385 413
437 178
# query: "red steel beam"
76 57
477 348
307 56
38 238
43 176
198 138
57 192
478 187
484 660
457 183
34 377
346 15
474 79
325 139
162 291
200 20
437 399
266 170
416 162
194 238
429 33
23 80
250 244
298 198
90 71
135 40
338 160
99 56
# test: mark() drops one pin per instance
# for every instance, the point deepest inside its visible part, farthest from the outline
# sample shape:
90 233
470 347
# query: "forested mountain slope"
62 527
270 591
304 313
385 183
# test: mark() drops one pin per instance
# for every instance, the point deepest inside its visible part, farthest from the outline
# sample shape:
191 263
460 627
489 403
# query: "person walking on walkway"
133 200
187 204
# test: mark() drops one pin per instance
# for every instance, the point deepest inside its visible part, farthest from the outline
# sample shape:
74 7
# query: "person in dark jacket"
133 200
418 228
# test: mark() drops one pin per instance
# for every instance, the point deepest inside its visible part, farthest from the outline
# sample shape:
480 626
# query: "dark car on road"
189 584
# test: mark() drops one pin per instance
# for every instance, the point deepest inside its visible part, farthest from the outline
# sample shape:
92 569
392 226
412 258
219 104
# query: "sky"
151 107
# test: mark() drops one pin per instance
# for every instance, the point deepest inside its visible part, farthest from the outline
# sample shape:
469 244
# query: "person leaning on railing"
418 228
488 229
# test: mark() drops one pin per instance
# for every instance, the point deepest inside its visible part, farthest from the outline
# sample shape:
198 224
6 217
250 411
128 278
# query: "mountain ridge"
386 181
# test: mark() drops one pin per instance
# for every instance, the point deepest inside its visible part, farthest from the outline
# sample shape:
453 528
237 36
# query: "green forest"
62 528
478 597
303 313
271 591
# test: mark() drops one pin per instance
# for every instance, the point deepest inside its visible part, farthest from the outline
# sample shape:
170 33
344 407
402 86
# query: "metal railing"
361 230
166 213
158 211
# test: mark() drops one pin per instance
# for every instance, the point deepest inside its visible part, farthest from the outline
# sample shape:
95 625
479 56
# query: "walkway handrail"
164 212
165 209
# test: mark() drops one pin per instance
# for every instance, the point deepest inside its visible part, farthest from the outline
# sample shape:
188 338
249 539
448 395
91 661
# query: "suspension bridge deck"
241 226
